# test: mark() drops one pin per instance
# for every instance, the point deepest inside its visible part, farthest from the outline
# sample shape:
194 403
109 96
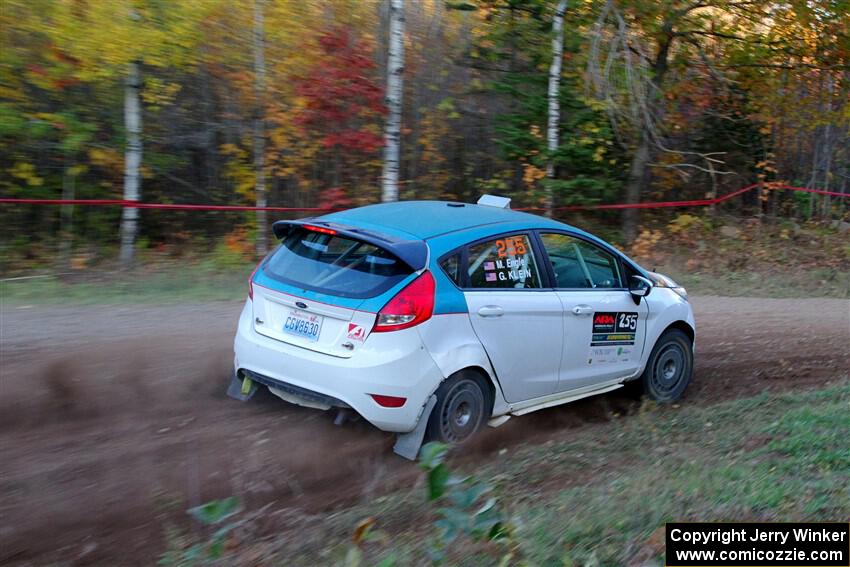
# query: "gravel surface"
113 420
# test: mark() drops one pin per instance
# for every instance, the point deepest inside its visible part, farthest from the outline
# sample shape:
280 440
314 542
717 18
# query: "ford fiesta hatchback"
432 319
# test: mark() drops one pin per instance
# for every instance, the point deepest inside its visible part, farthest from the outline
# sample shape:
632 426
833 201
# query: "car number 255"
628 321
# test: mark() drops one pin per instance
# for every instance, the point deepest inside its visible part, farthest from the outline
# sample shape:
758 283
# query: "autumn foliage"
766 93
342 97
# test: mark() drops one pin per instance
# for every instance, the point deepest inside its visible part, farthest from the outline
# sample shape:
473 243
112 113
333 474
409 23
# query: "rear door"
517 320
344 271
604 330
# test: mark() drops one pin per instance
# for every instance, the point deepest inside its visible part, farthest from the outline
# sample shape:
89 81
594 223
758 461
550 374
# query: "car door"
604 330
517 320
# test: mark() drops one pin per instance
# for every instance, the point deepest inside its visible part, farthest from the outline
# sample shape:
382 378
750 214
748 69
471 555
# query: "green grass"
792 282
601 495
705 473
199 282
204 281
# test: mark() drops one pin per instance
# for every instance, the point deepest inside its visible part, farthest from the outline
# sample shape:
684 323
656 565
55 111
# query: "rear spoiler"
414 253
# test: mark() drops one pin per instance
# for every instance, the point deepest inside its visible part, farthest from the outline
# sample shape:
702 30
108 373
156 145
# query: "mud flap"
407 445
236 390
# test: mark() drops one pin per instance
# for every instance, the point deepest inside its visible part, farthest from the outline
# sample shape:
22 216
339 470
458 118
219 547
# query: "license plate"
304 325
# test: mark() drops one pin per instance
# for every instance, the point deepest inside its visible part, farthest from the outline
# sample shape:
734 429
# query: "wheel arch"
683 326
454 347
485 377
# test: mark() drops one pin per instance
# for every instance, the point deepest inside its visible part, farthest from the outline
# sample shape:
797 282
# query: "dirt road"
113 419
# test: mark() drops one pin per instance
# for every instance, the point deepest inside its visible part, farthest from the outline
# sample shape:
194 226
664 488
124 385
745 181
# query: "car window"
577 264
451 266
335 265
504 262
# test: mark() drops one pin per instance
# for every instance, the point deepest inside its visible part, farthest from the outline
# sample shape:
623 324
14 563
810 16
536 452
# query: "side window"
504 262
579 264
451 266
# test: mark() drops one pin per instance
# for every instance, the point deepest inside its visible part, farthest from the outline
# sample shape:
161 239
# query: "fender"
666 309
453 346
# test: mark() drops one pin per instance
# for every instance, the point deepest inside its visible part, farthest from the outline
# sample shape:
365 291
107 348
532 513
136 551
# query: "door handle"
582 310
491 311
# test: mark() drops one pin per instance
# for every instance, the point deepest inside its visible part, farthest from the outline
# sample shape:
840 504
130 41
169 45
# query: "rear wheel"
461 409
669 368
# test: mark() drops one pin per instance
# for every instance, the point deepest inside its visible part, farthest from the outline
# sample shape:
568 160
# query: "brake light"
412 305
321 229
388 401
251 282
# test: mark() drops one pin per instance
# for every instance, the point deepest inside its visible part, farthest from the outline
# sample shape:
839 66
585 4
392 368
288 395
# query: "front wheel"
669 368
461 408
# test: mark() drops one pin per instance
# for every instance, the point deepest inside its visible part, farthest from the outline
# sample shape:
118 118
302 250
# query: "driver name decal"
509 269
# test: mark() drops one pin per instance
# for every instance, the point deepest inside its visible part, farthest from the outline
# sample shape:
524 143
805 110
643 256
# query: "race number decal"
627 322
614 328
514 246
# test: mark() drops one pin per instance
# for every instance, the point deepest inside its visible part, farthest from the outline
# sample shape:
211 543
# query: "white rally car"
430 319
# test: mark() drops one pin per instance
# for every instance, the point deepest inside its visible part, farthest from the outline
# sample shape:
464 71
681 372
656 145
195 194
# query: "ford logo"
301 304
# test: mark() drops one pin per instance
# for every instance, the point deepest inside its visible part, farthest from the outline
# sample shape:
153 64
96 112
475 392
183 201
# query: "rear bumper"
308 396
390 364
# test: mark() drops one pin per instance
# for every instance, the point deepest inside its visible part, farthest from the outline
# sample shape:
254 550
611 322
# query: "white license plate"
304 325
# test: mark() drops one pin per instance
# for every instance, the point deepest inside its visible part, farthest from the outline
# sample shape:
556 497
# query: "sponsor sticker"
609 354
356 332
614 328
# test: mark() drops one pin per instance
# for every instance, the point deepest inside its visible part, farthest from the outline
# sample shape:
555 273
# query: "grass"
203 281
705 473
766 259
199 282
769 258
601 495
816 282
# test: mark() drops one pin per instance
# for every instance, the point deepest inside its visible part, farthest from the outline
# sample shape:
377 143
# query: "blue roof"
445 225
427 219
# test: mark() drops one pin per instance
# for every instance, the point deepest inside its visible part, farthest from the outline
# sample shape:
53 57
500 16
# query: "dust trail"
114 419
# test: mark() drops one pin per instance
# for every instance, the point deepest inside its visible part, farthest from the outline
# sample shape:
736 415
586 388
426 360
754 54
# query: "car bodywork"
347 370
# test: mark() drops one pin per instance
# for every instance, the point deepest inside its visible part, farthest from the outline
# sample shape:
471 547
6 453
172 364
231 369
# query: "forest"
341 103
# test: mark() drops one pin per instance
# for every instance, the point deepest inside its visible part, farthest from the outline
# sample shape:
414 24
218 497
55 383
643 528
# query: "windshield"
335 265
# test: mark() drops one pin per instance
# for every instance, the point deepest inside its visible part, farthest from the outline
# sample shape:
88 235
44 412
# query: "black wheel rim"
461 412
669 369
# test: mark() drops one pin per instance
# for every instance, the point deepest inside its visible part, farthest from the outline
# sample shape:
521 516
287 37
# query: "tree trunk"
67 230
638 174
634 187
259 126
392 130
554 103
132 162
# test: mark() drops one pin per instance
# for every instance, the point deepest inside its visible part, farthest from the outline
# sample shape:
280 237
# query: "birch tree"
106 42
392 130
132 161
554 104
259 125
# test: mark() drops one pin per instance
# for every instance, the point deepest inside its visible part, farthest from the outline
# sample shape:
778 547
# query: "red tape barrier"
697 202
168 206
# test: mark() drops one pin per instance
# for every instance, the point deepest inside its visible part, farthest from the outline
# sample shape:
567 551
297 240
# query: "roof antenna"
495 201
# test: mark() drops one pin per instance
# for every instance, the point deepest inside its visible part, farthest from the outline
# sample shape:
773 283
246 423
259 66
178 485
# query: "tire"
463 405
670 367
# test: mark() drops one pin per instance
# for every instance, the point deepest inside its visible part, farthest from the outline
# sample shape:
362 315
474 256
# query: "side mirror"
639 287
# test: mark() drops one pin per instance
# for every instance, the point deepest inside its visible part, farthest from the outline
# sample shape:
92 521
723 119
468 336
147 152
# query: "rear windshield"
335 265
